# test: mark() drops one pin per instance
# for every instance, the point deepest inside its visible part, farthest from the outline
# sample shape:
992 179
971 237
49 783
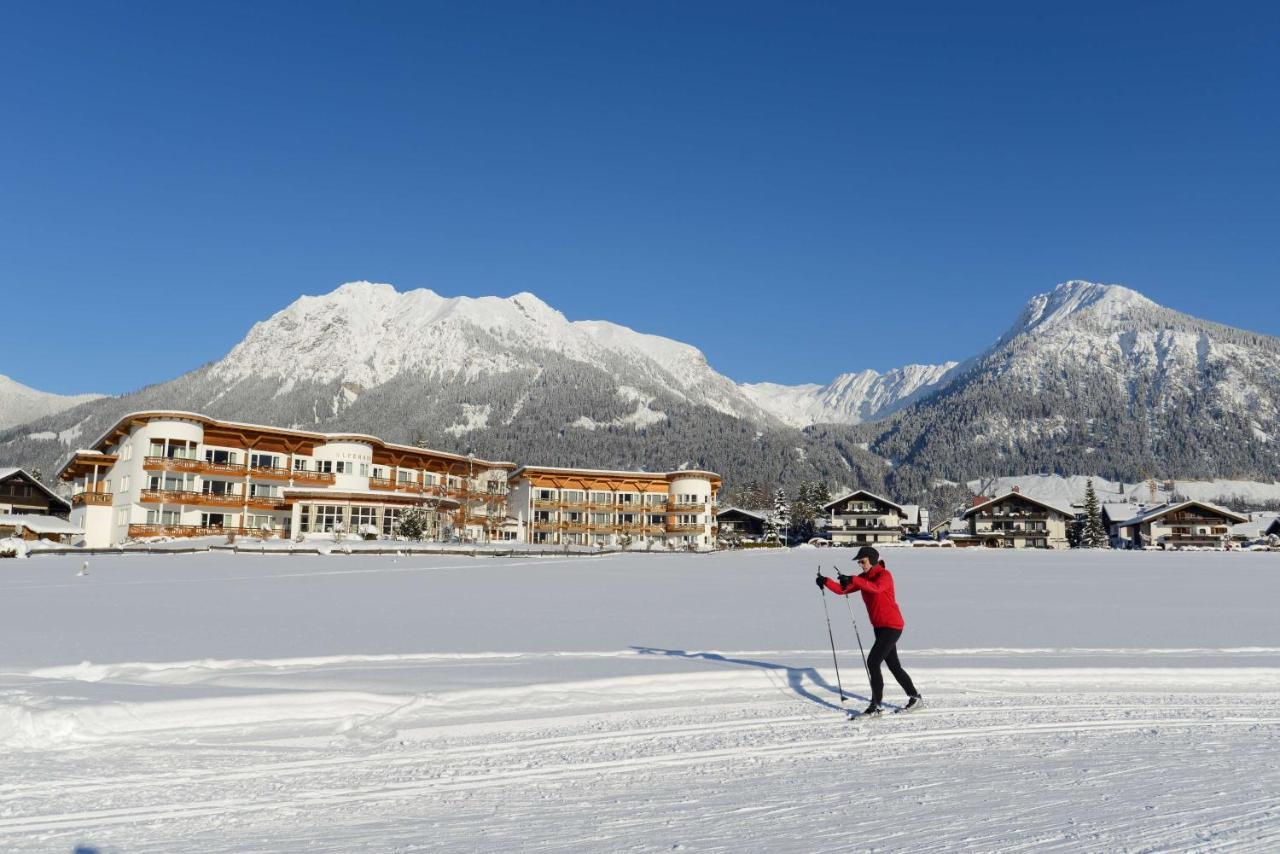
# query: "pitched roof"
750 513
1032 499
1169 507
872 495
7 473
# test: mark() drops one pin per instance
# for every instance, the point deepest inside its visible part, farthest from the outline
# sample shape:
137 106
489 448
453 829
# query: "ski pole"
858 635
822 591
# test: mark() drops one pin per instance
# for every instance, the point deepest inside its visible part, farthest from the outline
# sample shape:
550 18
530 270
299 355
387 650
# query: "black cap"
867 551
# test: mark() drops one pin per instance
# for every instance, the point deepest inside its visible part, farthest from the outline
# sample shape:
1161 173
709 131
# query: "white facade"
614 509
183 474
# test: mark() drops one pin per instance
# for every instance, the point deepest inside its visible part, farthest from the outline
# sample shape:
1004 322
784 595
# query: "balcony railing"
152 530
546 504
270 473
266 502
312 477
185 464
677 528
182 496
686 506
382 483
96 499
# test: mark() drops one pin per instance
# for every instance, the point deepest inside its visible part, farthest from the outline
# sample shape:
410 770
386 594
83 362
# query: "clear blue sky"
798 189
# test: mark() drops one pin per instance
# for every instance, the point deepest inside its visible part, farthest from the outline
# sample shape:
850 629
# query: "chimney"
1016 488
978 499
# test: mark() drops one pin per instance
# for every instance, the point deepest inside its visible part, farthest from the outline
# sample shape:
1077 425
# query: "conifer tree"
781 512
1093 535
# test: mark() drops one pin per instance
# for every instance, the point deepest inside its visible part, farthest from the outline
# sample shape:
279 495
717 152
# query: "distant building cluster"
166 474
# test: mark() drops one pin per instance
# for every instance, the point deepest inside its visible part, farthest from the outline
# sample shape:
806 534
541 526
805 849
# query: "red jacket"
876 585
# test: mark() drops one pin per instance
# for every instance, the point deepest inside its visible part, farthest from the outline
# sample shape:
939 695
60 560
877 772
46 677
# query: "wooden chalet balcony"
185 464
94 499
545 526
574 528
149 530
576 506
382 483
685 506
265 502
182 496
861 525
546 504
1194 539
1034 517
270 473
312 478
677 528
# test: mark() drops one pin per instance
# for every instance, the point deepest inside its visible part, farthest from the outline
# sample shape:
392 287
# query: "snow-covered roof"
871 495
1163 509
750 513
6 473
1251 530
39 524
1045 504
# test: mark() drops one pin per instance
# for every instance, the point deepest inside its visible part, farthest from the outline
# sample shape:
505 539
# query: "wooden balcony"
148 530
266 502
676 528
383 483
182 496
545 526
312 478
545 504
184 464
93 499
686 507
270 473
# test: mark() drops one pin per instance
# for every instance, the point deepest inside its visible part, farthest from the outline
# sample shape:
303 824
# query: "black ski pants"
885 649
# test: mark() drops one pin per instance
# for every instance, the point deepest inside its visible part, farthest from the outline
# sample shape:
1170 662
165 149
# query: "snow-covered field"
221 702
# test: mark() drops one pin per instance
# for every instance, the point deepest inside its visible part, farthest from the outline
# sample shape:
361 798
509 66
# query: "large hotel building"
181 474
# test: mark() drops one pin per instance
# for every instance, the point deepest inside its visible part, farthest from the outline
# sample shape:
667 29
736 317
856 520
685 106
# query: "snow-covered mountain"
20 404
849 398
365 335
1098 377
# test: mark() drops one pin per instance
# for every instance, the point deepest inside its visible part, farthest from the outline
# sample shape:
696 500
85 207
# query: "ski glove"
844 579
822 580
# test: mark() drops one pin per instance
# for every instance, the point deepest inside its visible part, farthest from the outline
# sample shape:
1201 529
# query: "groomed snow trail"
627 747
711 762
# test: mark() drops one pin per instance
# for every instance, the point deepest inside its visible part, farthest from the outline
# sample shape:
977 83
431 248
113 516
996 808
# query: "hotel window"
542 515
264 490
326 518
657 520
259 522
364 469
602 498
126 451
390 520
217 487
263 461
626 518
573 496
299 465
688 519
628 498
304 520
600 518
163 517
124 483
403 476
218 457
379 472
122 516
361 516
217 520
324 466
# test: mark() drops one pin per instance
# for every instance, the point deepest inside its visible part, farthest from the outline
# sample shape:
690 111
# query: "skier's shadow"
796 676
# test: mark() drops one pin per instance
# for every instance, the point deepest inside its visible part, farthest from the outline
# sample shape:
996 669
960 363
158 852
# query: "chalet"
740 525
22 494
1178 525
1273 530
1015 520
861 517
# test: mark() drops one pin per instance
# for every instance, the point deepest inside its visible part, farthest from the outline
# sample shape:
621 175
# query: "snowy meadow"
223 702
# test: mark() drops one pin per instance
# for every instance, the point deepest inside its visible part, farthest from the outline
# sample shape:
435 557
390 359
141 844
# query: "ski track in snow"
1023 748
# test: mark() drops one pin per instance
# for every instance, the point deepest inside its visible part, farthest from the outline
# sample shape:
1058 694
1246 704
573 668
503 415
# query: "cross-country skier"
876 585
